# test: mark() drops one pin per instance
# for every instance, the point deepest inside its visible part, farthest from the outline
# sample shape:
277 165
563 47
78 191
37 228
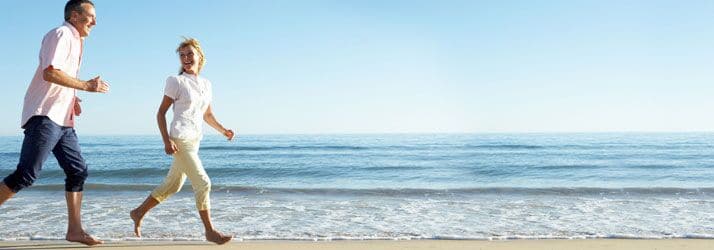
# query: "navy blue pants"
42 135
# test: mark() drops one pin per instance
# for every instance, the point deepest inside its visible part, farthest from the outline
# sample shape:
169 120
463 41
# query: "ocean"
389 186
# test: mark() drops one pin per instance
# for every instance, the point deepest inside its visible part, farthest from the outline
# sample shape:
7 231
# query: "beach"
596 244
345 125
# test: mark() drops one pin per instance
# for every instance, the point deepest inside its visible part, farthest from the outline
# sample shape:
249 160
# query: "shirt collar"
192 76
73 29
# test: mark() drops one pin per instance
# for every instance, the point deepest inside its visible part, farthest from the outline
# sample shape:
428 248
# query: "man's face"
84 21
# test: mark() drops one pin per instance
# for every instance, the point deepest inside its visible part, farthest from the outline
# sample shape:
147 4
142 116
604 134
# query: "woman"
190 95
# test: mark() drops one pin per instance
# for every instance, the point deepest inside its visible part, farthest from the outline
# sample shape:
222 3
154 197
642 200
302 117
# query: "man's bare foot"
83 238
218 238
137 222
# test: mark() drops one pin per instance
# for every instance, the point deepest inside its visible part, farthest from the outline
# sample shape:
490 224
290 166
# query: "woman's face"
189 59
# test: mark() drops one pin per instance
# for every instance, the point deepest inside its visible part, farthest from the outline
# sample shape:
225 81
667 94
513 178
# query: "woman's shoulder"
202 78
172 78
175 78
175 81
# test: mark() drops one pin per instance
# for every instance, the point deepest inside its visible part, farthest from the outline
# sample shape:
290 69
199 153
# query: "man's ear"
74 16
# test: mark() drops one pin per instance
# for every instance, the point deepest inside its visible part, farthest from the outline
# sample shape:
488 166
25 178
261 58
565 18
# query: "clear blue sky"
372 66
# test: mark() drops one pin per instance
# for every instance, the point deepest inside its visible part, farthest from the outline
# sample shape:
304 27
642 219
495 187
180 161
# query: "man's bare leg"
5 193
75 233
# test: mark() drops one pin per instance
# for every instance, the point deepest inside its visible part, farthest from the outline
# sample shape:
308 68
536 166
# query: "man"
49 110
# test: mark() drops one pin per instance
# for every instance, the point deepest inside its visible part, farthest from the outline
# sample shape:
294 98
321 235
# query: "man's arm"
56 76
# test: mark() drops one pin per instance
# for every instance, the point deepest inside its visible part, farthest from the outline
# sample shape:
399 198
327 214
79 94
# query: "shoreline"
584 244
366 239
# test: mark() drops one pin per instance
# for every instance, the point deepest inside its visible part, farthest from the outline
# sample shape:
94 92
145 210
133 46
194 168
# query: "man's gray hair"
74 5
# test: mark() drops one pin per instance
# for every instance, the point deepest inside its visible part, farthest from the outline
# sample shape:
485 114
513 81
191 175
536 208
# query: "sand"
610 244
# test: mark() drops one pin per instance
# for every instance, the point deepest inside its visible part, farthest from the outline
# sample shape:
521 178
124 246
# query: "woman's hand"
228 133
170 147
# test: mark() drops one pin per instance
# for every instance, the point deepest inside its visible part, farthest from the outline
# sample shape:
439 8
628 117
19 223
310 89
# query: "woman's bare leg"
211 234
138 214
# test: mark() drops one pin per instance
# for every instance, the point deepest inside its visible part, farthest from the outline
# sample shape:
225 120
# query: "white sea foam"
316 218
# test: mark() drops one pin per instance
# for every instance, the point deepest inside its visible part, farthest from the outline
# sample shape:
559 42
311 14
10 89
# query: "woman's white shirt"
191 94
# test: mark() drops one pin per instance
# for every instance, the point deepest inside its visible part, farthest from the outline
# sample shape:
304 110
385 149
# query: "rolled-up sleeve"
55 50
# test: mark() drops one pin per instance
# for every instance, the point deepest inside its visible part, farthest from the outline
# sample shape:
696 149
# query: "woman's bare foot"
218 238
83 238
137 222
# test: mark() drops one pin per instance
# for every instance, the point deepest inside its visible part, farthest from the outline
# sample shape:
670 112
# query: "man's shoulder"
57 32
63 28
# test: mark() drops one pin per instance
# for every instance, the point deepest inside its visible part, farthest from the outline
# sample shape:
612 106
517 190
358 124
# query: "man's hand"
77 107
228 133
97 85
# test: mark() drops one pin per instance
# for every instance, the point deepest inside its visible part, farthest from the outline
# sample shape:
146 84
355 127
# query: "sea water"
388 186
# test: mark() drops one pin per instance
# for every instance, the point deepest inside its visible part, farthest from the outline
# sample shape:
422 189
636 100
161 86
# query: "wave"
616 147
571 167
89 144
111 173
503 146
15 155
257 148
575 191
595 166
132 174
343 147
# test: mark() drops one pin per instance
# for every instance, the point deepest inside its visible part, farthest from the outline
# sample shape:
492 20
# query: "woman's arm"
211 120
169 145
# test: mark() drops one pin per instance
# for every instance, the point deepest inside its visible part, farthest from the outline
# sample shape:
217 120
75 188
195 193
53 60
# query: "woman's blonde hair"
187 41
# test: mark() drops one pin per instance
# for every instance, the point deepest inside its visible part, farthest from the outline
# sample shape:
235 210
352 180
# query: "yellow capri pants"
186 163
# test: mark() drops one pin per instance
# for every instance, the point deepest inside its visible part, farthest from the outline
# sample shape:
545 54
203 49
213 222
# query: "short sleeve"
55 49
172 87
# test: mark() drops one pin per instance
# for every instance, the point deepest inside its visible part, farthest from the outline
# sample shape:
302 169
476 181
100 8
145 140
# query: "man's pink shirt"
61 49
